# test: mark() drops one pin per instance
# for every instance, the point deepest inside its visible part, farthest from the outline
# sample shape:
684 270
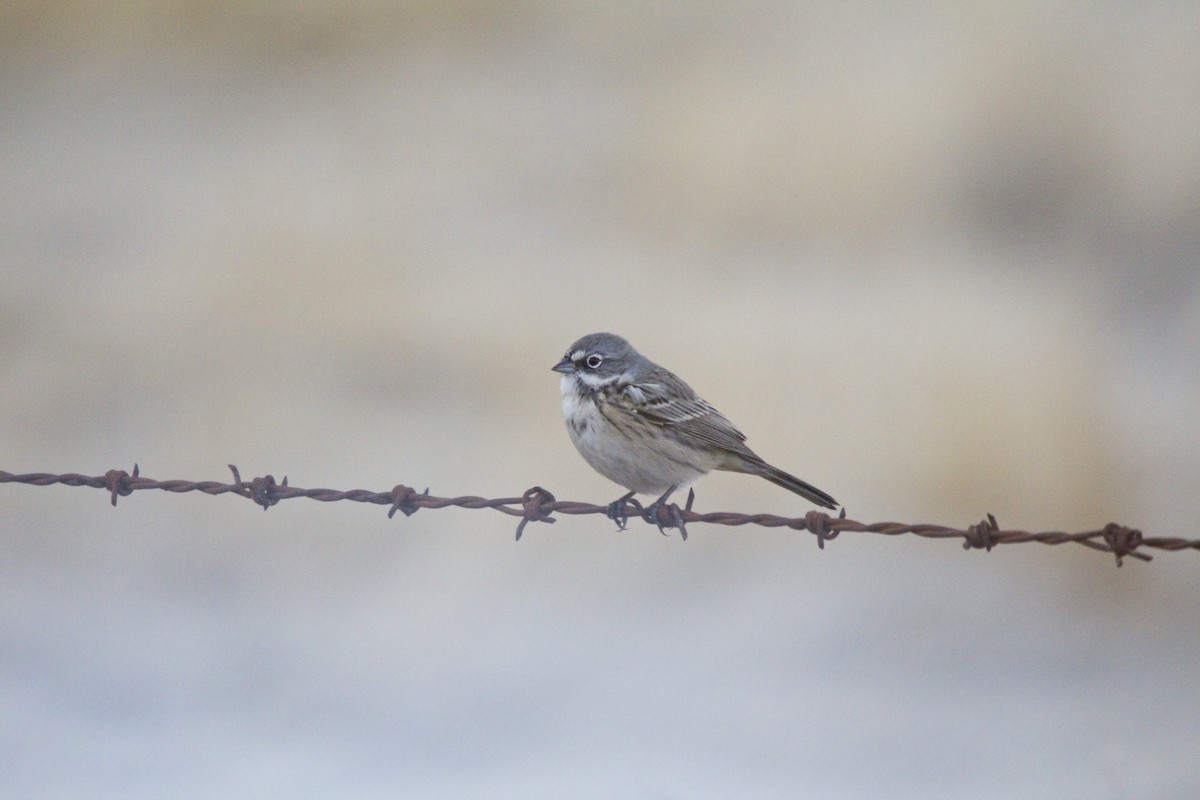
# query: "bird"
641 426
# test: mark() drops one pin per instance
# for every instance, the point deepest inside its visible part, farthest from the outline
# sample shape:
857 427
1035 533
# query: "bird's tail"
794 484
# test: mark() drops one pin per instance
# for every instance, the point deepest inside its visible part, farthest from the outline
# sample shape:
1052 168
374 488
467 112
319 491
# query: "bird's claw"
674 518
618 510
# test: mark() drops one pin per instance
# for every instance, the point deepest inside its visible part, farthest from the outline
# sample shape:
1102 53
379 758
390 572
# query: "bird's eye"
593 361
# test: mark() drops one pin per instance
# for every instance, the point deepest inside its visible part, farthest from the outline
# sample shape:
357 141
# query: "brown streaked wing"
682 410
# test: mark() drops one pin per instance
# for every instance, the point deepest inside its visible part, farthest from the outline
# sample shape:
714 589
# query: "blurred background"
937 260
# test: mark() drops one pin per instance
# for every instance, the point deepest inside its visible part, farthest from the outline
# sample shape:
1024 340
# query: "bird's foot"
618 510
674 517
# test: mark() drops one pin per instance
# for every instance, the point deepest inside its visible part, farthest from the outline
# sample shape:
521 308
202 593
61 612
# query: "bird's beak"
565 367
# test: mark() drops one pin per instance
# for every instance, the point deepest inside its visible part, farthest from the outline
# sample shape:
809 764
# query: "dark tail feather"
794 484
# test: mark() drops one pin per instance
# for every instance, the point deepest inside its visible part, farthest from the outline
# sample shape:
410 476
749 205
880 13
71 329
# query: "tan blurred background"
938 260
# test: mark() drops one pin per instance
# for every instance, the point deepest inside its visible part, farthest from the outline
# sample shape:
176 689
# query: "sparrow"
641 426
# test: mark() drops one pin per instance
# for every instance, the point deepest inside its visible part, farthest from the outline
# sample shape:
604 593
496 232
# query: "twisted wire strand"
538 505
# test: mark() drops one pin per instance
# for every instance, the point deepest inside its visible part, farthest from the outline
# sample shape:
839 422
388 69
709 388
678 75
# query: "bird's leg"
617 512
651 513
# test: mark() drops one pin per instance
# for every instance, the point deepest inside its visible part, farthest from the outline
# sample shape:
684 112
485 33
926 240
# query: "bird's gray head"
597 358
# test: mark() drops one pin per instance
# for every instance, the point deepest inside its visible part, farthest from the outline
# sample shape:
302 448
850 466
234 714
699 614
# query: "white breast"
571 402
639 463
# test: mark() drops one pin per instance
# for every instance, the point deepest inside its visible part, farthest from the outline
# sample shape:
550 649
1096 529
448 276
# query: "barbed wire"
538 505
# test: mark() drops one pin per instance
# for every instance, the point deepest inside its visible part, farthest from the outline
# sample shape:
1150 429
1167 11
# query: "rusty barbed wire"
538 505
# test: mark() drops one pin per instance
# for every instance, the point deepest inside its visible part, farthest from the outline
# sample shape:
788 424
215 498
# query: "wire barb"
817 523
979 535
117 482
264 491
539 505
404 499
1122 541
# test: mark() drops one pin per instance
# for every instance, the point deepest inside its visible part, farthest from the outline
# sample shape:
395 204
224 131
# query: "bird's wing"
677 407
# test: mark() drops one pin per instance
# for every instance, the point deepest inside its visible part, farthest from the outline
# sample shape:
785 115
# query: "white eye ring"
593 361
